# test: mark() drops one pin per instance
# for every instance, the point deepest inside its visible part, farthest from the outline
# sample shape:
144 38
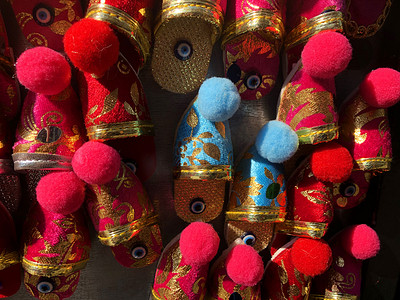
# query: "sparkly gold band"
50 270
154 296
207 10
374 164
303 229
315 135
354 30
220 172
115 236
333 296
262 20
332 21
124 23
256 214
40 161
9 259
120 130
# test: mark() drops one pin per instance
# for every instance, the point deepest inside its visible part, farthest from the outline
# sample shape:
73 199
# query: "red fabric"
60 192
43 71
92 46
96 163
366 12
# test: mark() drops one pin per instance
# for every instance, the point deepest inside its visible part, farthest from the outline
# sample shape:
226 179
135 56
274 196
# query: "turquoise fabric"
200 142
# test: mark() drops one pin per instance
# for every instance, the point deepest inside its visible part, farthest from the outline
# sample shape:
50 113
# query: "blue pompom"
218 99
277 142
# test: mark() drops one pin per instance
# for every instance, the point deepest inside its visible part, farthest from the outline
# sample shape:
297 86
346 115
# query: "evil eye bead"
348 189
197 206
45 286
234 73
43 14
249 238
139 252
131 164
183 50
253 81
235 296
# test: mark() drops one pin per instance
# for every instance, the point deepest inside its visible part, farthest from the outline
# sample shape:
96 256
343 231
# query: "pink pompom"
244 265
92 46
381 88
361 241
96 163
311 257
43 71
326 54
60 192
199 243
331 162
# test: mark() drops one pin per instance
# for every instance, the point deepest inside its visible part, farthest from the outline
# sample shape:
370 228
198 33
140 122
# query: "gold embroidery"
109 103
37 39
243 190
123 68
8 259
302 229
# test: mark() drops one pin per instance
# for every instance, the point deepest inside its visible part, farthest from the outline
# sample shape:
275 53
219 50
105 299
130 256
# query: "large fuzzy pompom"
92 46
43 71
60 192
244 265
199 243
361 241
331 162
326 54
381 88
277 142
96 163
218 99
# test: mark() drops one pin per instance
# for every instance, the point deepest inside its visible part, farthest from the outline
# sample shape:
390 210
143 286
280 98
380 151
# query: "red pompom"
199 243
60 192
326 54
311 257
92 46
361 241
43 71
381 88
331 162
96 163
244 265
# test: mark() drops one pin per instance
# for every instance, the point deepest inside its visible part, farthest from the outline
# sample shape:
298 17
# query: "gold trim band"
333 296
115 236
318 134
314 230
9 259
256 214
49 270
260 20
154 296
331 20
219 172
207 10
374 164
123 22
40 161
120 130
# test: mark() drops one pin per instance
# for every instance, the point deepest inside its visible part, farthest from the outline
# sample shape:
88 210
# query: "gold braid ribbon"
208 10
124 23
115 236
333 296
331 20
51 270
120 130
302 229
262 20
219 172
256 214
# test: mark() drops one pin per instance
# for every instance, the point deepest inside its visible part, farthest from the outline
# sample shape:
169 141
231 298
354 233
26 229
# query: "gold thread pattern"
120 130
8 259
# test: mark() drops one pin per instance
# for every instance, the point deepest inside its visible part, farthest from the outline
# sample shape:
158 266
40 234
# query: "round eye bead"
249 238
43 14
45 286
131 164
234 73
139 252
347 189
183 50
197 206
253 81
